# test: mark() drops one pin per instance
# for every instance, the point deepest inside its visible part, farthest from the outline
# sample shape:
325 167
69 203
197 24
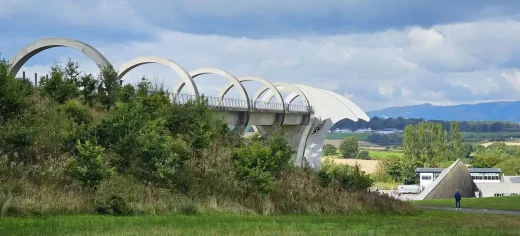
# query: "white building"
387 131
488 180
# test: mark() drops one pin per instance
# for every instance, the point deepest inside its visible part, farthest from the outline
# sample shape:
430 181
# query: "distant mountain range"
500 111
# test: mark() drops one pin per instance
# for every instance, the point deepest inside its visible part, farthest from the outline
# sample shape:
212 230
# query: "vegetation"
497 155
446 223
329 150
396 139
349 148
492 203
84 144
400 123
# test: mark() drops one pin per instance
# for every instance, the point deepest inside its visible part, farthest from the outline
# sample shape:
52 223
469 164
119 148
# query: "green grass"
341 136
387 185
423 223
511 203
383 154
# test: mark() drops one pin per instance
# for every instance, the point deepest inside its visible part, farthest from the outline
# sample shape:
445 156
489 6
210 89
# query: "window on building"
479 177
426 177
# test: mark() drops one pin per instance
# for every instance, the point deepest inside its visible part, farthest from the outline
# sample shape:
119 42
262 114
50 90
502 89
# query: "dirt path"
472 210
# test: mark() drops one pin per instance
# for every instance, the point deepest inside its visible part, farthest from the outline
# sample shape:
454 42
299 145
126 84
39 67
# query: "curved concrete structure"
26 53
266 83
244 116
305 126
138 61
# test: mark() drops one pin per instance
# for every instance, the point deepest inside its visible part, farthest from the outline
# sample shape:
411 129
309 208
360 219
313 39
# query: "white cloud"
442 64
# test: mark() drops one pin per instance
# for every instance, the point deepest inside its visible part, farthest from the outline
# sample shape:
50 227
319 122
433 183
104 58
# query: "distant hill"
490 111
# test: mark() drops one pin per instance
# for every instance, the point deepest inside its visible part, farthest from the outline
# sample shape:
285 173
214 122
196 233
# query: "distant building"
489 181
387 131
365 130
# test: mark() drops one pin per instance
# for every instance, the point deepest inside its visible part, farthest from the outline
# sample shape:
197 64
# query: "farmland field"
468 136
383 154
446 223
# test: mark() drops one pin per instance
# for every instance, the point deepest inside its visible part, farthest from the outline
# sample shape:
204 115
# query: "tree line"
426 144
400 123
101 147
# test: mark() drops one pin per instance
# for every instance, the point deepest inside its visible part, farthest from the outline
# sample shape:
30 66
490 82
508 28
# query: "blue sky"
377 53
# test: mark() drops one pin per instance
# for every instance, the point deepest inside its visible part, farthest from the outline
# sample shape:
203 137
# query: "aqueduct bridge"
305 125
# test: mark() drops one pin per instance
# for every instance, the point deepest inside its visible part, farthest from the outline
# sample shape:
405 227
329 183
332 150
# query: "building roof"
429 170
471 170
484 170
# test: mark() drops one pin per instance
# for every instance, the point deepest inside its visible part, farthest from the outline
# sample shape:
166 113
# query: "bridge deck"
233 104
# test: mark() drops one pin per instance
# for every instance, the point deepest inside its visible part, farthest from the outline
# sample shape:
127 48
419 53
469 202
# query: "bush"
115 205
344 176
364 155
88 165
329 150
349 147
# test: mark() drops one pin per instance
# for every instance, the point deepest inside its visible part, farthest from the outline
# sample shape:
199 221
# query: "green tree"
88 165
393 166
456 146
349 147
329 150
510 166
344 176
259 162
109 88
411 147
13 94
364 155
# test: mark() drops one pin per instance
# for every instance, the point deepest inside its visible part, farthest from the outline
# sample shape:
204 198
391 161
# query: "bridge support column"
306 140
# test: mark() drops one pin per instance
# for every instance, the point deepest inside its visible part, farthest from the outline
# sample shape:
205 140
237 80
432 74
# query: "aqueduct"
305 126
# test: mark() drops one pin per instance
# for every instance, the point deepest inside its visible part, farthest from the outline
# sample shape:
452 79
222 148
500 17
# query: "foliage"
364 155
344 176
83 144
259 162
13 94
400 123
329 150
509 166
349 147
393 167
88 165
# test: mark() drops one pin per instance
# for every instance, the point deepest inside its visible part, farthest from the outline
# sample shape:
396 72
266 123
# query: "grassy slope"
511 203
446 223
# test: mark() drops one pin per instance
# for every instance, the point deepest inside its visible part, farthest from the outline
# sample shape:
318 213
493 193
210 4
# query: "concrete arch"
266 83
26 53
244 116
138 61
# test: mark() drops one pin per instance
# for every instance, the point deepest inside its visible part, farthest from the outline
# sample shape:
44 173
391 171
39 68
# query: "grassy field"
511 203
341 136
445 223
468 136
383 154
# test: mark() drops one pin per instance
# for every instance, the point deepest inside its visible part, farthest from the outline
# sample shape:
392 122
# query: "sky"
378 53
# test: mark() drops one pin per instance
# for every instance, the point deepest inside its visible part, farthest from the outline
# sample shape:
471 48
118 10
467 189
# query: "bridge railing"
233 104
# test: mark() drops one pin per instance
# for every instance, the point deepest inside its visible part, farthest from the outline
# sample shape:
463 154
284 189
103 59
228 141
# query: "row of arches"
325 107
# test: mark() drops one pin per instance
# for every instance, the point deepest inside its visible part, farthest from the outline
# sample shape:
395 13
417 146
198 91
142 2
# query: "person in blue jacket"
457 199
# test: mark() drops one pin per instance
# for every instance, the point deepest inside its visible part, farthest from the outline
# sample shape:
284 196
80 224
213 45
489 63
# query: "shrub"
344 176
114 205
364 155
329 150
349 147
88 165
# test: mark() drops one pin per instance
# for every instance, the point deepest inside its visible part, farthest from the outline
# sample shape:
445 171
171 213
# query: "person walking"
457 200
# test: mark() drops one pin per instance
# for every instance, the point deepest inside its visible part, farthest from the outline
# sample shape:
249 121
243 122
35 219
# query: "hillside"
503 111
